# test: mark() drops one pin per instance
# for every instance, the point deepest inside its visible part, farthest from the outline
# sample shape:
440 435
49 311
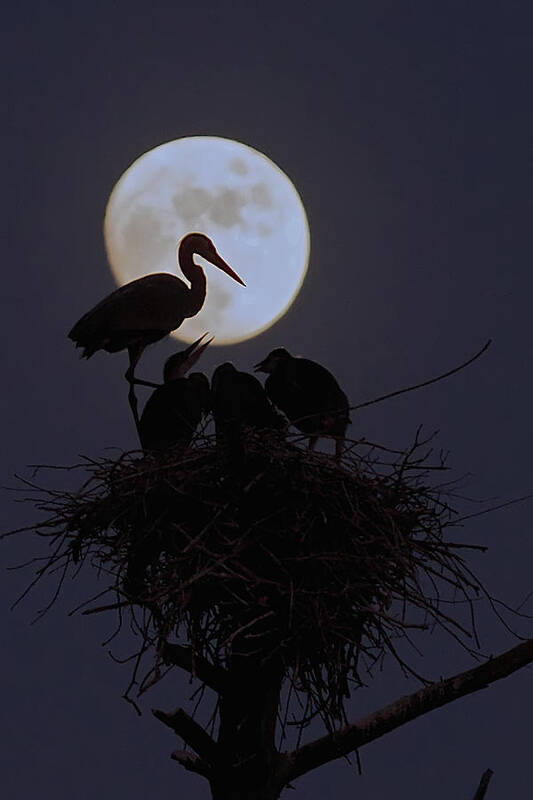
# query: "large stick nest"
290 555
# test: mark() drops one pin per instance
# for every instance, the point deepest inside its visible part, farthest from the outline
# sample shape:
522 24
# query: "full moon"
242 201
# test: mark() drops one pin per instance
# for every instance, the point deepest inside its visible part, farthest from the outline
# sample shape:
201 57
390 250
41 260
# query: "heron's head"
201 245
223 372
273 360
180 363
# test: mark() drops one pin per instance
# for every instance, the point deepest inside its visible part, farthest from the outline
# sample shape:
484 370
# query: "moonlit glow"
242 201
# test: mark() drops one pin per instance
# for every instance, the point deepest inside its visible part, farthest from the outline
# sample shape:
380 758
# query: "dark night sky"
407 129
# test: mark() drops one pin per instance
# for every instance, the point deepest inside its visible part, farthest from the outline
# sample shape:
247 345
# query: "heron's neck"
196 276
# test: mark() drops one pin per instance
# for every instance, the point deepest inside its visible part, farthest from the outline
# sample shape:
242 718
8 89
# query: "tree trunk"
250 767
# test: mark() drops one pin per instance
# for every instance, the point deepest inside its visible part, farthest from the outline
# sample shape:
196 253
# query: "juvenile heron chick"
308 395
174 410
239 402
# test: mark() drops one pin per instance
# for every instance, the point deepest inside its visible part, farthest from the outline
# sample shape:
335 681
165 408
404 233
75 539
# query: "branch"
191 732
425 383
405 709
214 677
483 785
192 763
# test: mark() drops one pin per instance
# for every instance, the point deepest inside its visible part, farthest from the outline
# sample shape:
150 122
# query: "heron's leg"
312 442
132 399
134 352
339 447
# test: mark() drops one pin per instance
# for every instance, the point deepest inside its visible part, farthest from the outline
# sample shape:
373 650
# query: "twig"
110 607
483 785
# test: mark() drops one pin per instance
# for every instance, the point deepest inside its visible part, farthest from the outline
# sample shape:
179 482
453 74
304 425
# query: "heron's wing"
168 416
251 388
257 410
199 391
154 302
317 380
307 393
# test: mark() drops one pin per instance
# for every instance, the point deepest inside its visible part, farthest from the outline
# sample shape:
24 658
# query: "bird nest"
322 565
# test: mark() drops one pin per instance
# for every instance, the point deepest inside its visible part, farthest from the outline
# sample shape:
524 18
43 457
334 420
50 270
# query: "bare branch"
192 763
375 725
184 657
483 785
424 383
191 732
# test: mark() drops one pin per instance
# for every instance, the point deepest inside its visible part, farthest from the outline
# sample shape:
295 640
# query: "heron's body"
308 394
139 313
174 410
239 402
239 397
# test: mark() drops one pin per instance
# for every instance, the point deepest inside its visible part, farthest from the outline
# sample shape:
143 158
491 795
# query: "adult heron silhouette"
145 310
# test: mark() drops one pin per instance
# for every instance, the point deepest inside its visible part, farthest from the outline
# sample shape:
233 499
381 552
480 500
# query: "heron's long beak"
195 350
180 363
260 367
221 264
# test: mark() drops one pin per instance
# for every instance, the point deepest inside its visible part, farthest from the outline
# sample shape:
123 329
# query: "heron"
174 410
239 401
308 395
145 310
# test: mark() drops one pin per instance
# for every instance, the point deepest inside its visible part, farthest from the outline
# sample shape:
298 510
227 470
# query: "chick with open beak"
174 410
